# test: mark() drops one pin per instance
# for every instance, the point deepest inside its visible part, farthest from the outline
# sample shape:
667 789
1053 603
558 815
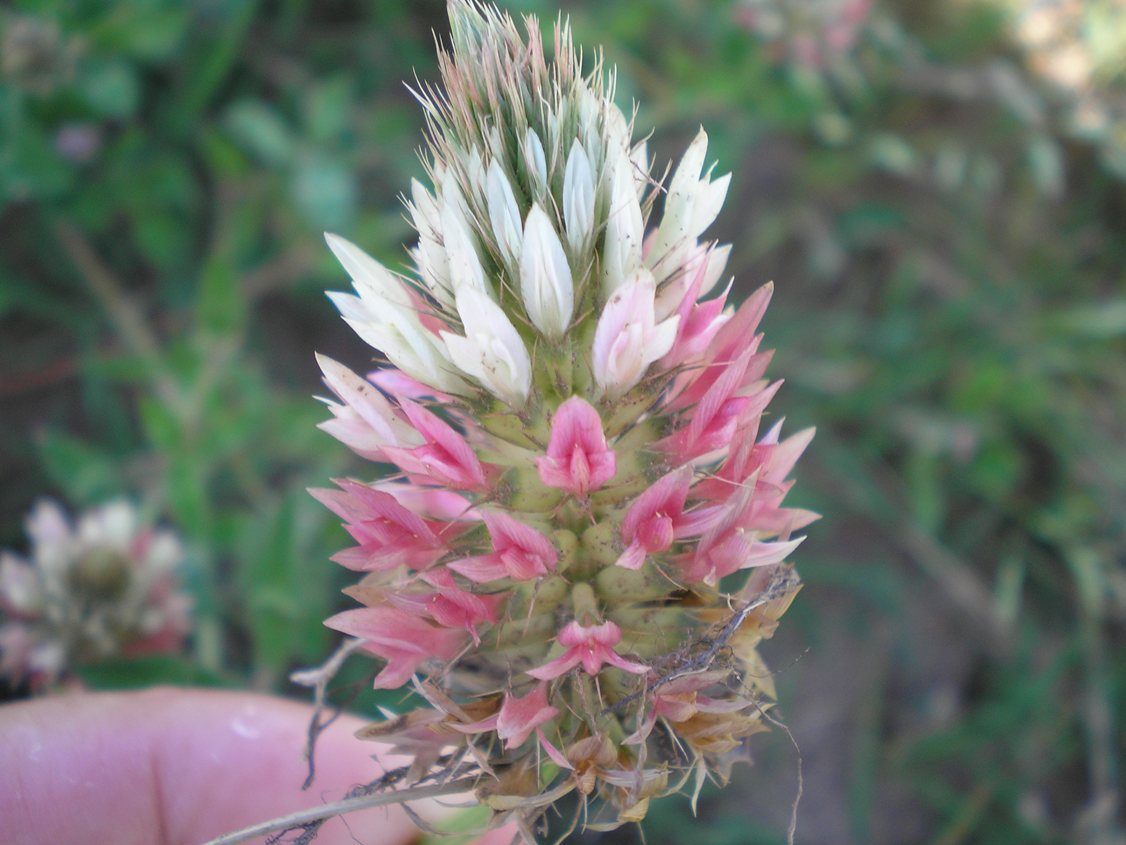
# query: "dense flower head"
580 537
104 585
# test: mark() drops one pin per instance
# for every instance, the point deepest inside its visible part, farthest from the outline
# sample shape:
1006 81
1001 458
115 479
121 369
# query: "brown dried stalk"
313 817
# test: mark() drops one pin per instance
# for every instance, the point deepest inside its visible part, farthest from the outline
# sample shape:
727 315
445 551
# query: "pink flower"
781 456
698 274
713 421
590 645
729 545
769 462
401 638
445 458
399 384
734 339
388 534
518 717
430 502
519 552
681 699
569 395
656 518
451 606
699 321
578 459
367 421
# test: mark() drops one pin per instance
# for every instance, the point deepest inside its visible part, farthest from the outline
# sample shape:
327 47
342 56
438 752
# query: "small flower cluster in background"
810 32
1079 46
581 541
102 586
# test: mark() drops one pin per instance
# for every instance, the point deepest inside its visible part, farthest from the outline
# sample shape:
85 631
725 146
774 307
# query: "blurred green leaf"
1106 320
328 108
87 473
110 87
208 61
222 307
324 190
260 130
29 166
152 32
284 588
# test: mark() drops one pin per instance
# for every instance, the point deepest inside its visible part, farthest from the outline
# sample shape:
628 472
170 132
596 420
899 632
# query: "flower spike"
583 534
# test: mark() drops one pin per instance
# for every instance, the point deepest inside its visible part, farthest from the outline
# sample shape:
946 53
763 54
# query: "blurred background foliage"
937 190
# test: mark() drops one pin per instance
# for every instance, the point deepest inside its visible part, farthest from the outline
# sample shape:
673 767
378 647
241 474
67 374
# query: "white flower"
369 277
545 276
625 227
691 206
535 161
89 590
430 255
475 172
504 213
491 351
384 316
578 198
464 265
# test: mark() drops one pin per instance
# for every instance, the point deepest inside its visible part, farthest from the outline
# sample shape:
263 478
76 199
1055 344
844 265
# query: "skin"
179 767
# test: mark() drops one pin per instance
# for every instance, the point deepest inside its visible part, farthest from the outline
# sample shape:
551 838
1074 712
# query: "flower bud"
545 276
627 339
691 206
578 199
465 266
535 162
385 316
504 213
625 228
